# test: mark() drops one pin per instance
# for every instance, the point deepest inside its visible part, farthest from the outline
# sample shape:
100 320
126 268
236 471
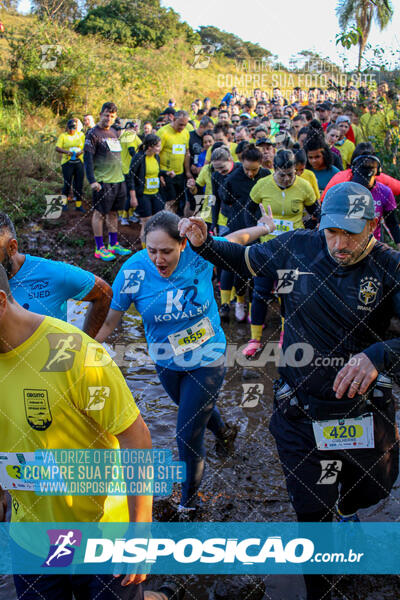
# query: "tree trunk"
361 47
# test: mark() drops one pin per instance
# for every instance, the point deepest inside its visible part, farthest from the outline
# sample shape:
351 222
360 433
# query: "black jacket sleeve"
385 354
393 225
216 207
89 167
227 255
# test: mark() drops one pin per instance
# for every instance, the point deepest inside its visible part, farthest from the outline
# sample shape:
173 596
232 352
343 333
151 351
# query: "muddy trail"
247 486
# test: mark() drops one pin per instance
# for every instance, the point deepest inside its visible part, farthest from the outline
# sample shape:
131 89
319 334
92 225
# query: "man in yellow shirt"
221 132
174 149
50 373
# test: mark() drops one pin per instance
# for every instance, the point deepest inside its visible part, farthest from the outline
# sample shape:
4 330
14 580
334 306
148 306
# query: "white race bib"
282 226
178 148
192 337
345 434
10 470
75 149
114 145
152 183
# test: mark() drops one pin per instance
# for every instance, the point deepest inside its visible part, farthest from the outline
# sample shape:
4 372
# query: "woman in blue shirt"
319 160
171 288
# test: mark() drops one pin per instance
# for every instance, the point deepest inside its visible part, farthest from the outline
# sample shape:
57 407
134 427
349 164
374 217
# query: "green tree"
10 5
57 10
231 45
135 23
361 13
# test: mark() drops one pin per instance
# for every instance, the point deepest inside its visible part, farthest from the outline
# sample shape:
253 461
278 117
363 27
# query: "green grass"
35 103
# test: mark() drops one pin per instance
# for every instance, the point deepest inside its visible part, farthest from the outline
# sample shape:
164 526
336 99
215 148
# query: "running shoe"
224 312
118 249
134 219
252 348
240 312
104 254
124 221
80 209
354 518
225 440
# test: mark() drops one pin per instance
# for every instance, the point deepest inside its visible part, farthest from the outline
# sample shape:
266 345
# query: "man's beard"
8 266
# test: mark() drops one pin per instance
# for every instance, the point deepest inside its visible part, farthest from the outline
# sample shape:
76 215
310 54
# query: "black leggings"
318 586
73 174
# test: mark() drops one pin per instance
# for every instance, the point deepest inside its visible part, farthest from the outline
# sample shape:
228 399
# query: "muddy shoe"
225 441
186 514
224 312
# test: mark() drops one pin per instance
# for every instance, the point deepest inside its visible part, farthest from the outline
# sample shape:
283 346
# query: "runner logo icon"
97 397
286 279
357 206
330 469
133 279
62 547
202 55
252 393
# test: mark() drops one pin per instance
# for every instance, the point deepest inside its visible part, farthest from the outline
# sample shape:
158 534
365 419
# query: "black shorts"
110 198
149 204
313 476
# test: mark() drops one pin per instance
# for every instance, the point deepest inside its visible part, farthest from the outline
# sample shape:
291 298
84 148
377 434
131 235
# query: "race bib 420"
345 434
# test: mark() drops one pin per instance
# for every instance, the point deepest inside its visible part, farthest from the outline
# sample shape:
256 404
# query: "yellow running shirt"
287 205
312 180
128 139
204 180
66 141
152 179
232 148
346 150
57 394
173 148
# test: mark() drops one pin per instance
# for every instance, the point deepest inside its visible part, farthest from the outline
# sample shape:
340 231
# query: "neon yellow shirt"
377 124
312 180
287 205
152 182
66 141
173 148
232 148
358 134
204 179
346 150
128 139
62 364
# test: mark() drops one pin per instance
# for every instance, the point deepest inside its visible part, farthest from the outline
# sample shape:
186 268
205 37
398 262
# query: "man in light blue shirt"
43 286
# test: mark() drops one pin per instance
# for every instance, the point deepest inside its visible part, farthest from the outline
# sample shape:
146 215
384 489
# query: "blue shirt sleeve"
77 282
122 299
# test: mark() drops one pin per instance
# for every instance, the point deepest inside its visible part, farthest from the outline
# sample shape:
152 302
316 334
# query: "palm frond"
345 11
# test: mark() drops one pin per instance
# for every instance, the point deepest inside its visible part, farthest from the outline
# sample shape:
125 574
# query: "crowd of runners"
240 202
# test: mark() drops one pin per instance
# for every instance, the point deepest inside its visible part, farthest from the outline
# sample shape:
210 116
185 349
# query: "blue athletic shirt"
171 305
43 286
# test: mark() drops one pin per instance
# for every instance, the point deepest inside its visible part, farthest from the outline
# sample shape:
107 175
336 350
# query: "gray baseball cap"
347 206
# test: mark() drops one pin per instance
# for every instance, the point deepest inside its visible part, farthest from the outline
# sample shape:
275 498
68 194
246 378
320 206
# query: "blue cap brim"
342 222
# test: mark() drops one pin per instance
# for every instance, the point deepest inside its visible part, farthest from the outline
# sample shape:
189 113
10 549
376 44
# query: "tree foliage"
360 14
57 10
232 45
9 4
136 23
